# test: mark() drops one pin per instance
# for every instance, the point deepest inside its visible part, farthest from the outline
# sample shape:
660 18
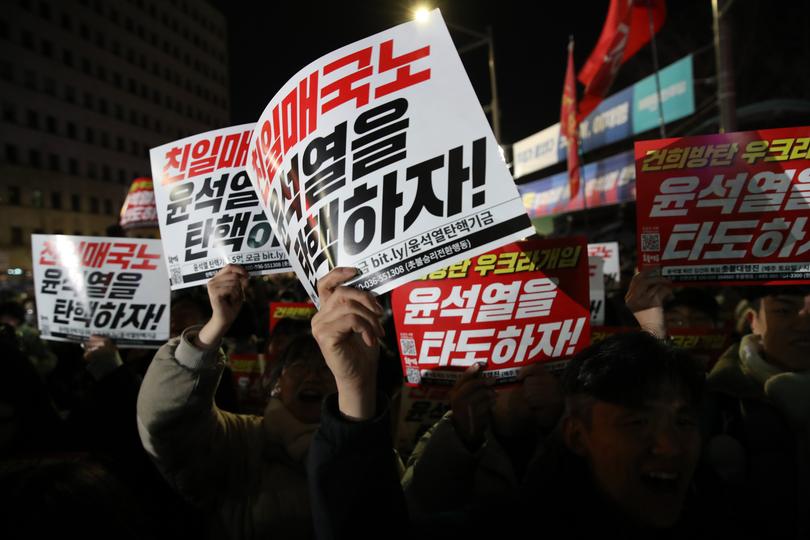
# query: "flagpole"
582 181
581 160
660 107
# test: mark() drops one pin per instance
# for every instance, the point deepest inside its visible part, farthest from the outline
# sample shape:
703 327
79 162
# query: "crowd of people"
636 437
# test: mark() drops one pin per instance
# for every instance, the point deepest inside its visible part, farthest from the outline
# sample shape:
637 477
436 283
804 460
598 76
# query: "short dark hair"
755 294
629 369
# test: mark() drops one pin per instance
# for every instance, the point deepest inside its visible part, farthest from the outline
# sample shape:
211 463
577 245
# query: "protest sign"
112 287
729 209
596 286
523 303
378 156
209 213
247 370
300 311
609 253
138 210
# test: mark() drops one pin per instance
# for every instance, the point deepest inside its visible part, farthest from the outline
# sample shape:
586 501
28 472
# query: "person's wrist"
211 333
357 398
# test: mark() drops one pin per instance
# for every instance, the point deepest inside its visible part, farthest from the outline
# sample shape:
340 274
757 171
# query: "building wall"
86 89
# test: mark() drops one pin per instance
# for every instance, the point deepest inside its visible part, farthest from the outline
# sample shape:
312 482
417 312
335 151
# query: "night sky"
271 41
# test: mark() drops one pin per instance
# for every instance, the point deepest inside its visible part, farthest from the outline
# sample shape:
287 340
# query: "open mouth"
661 481
310 396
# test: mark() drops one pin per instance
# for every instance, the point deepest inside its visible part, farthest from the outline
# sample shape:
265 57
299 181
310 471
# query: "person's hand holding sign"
471 401
226 291
645 298
347 328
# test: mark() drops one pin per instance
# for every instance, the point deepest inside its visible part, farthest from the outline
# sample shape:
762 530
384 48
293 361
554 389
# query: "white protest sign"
379 156
112 287
597 288
208 211
609 253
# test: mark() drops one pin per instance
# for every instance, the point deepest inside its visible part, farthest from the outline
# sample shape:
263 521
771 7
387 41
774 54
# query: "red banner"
626 30
523 303
568 124
301 311
726 209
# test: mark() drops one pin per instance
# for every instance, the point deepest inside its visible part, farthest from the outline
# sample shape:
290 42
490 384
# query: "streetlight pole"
481 39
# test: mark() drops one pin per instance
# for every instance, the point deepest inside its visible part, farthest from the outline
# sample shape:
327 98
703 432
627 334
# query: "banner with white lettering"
112 287
379 156
731 208
522 303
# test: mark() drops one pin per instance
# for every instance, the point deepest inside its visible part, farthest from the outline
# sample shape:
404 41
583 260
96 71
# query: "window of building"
30 79
32 119
65 21
105 139
45 11
16 236
47 48
102 105
67 57
108 207
75 203
12 156
88 100
89 135
49 86
71 130
50 125
27 39
34 158
6 71
70 94
92 171
36 199
94 205
73 166
14 195
56 200
106 173
54 163
9 113
122 176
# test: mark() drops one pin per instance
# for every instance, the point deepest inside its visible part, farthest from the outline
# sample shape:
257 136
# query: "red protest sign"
300 311
523 303
731 208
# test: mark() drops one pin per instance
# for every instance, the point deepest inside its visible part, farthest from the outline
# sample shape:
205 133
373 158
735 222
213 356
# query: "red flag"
626 30
568 123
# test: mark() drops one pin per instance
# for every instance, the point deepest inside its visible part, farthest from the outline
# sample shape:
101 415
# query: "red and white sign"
112 287
209 212
523 303
726 209
378 156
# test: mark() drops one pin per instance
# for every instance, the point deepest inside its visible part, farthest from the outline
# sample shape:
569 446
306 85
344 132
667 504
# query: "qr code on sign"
414 377
651 242
408 347
176 276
